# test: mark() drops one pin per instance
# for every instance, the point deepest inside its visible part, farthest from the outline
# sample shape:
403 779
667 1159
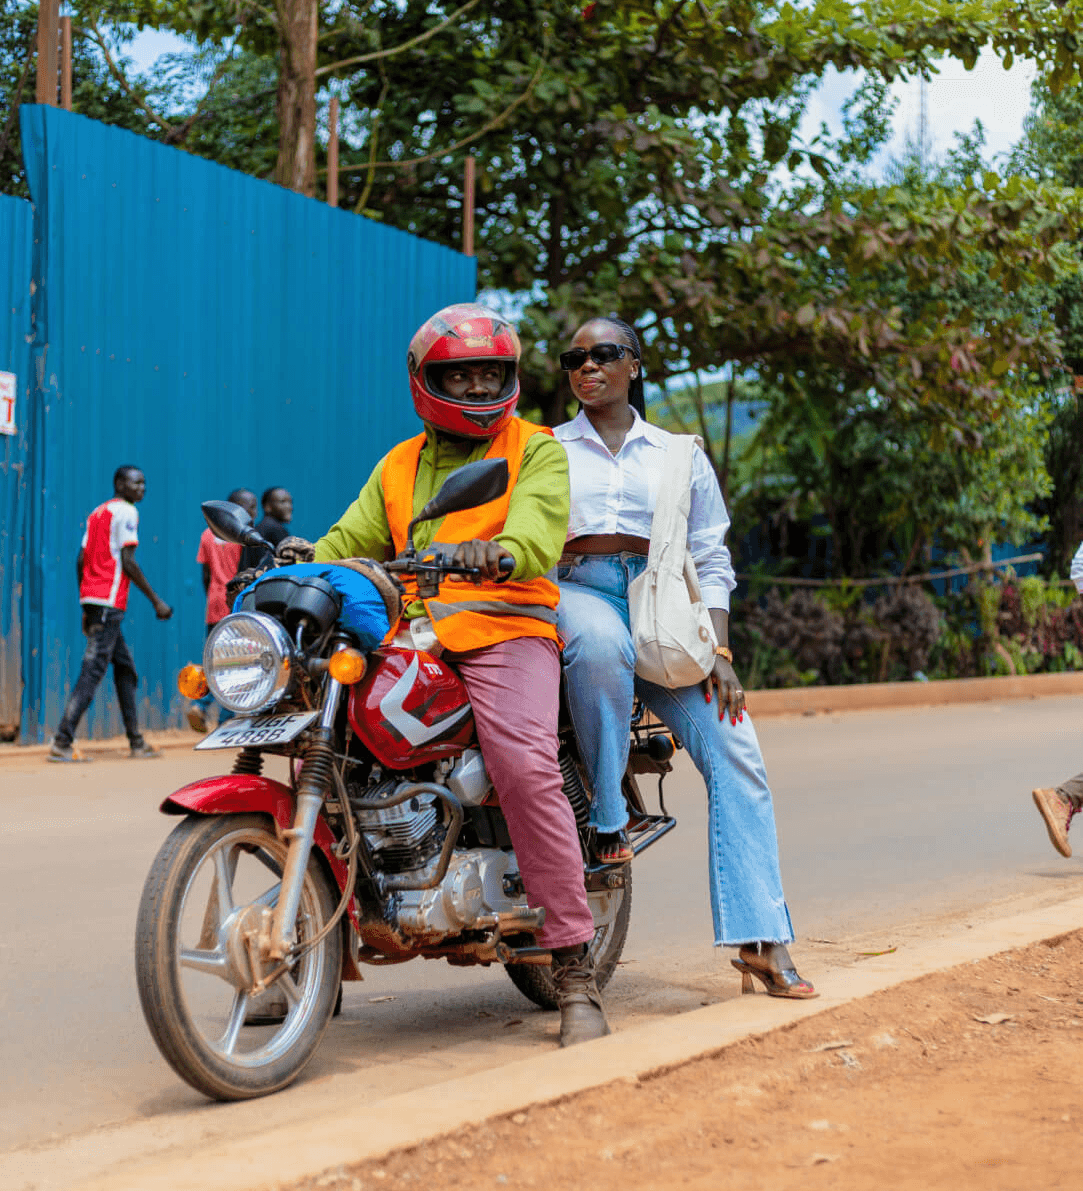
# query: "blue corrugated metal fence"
215 331
16 232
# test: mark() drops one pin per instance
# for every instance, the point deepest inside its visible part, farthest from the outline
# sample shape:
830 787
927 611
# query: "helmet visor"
471 383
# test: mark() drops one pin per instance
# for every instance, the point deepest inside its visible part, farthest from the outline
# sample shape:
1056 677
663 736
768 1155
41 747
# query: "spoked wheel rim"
218 916
605 907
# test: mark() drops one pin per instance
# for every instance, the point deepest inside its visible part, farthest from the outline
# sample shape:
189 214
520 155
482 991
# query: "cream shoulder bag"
671 626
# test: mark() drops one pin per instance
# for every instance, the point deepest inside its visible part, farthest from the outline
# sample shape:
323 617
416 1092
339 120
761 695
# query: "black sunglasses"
600 353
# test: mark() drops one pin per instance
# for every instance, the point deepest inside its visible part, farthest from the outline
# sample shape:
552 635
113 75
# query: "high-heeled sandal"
612 847
778 980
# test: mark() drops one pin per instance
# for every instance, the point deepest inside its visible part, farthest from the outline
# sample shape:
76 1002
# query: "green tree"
640 173
1052 150
887 479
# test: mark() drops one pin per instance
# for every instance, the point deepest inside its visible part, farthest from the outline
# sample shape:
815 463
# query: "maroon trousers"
514 688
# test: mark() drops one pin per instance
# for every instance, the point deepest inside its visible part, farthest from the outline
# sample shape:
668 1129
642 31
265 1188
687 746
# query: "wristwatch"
724 651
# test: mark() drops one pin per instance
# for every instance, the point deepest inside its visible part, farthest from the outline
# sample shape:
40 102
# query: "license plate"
258 730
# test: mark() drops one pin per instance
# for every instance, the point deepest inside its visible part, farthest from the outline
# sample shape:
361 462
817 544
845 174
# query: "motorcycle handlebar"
438 563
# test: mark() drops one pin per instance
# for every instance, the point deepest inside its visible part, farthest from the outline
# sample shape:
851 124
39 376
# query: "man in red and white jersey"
106 568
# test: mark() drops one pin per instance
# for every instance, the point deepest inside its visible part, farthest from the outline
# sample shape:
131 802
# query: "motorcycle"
385 843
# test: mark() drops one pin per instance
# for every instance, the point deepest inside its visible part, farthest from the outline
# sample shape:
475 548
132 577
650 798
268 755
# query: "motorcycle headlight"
247 660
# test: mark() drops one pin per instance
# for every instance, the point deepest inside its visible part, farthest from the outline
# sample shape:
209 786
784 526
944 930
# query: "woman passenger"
615 465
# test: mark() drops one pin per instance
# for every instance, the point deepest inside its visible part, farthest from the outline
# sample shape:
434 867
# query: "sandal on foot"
772 966
612 847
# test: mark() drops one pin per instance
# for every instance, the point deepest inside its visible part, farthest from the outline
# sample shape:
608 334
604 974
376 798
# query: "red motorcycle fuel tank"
411 708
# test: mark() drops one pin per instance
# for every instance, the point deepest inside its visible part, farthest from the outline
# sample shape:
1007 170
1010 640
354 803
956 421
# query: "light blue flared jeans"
747 901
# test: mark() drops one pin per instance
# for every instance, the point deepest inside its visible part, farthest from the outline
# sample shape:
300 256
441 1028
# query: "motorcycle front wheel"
612 912
201 903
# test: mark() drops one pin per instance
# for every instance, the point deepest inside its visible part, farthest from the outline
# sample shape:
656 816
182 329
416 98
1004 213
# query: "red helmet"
465 332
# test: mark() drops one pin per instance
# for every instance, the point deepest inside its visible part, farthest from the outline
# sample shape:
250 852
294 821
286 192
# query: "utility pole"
65 63
332 152
48 33
468 207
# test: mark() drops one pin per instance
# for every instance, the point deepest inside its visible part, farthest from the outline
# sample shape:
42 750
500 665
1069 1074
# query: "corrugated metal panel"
16 230
216 331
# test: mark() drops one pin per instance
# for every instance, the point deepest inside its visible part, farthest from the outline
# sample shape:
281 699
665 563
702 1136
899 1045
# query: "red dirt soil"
906 1090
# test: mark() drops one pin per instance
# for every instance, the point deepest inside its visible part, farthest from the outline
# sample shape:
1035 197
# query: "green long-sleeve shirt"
533 534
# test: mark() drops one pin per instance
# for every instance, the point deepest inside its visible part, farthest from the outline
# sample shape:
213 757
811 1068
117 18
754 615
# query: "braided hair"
636 397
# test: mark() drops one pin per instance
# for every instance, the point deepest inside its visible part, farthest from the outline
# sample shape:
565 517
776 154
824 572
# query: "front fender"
243 793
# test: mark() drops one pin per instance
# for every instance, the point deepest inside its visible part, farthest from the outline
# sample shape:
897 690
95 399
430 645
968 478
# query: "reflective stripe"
441 611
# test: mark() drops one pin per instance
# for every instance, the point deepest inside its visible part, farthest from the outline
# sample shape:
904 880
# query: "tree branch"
178 134
399 49
31 48
374 138
115 71
488 127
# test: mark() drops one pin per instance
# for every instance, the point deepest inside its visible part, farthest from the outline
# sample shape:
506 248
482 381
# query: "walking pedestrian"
277 514
106 568
1059 805
219 562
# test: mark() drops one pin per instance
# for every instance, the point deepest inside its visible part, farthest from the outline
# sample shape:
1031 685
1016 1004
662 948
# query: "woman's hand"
484 555
731 697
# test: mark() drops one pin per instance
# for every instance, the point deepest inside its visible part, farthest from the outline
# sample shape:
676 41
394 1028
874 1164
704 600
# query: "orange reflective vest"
464 615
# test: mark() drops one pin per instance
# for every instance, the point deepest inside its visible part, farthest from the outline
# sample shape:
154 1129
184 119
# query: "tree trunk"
731 395
296 104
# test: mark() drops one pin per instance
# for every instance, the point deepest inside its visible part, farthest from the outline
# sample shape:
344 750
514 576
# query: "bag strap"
669 525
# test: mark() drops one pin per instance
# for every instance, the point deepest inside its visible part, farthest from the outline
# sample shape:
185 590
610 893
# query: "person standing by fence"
277 514
219 561
106 568
1058 806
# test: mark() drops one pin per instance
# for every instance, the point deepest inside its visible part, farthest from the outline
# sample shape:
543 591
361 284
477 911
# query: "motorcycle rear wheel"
203 893
612 914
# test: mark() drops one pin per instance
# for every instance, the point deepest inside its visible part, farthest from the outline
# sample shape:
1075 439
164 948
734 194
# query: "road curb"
879 696
374 1130
113 748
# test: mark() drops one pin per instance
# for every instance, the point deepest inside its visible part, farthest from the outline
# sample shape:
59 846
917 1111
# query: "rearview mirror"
231 523
466 488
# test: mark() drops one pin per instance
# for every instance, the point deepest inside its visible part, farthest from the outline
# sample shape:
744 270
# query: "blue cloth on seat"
364 612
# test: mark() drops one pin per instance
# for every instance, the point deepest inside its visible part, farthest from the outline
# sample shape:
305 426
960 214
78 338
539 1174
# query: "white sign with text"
7 403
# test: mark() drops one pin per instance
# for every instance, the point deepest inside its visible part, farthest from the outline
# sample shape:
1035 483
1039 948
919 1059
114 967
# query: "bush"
845 635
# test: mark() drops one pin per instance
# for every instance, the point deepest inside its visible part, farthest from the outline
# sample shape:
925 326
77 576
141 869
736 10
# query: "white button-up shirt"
1077 568
617 494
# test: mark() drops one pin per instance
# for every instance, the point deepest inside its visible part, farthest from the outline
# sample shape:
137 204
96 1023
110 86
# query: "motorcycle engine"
405 838
471 890
400 838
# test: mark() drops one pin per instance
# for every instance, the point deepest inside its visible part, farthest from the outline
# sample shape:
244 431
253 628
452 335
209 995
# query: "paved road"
885 818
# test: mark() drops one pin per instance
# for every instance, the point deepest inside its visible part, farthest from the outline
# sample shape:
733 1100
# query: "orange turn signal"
192 682
347 666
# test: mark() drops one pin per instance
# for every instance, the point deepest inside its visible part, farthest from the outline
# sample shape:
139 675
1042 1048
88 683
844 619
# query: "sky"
955 99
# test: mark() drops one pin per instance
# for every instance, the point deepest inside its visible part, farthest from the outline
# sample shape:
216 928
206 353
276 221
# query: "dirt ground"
907 1089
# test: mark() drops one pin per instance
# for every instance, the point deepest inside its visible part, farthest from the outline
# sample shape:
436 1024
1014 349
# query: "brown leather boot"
582 1016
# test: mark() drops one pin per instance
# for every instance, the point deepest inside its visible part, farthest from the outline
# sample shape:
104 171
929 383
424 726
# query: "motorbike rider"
499 634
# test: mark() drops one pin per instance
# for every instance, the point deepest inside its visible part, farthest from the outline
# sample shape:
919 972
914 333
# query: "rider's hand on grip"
487 559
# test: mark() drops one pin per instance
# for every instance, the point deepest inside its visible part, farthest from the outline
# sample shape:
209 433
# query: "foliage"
1009 625
1052 150
817 637
94 93
629 158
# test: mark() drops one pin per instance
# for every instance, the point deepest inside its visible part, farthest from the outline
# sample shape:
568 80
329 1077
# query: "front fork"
317 774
